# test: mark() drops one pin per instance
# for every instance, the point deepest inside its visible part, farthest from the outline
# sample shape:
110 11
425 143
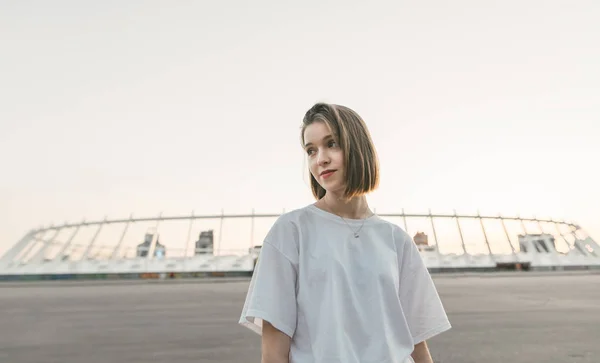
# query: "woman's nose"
323 159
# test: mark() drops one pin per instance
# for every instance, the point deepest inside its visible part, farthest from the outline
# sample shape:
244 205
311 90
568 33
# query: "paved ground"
550 318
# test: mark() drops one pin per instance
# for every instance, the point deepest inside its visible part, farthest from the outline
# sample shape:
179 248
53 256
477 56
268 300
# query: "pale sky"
119 107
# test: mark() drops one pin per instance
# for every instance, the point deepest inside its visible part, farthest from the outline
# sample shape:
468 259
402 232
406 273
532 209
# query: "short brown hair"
360 157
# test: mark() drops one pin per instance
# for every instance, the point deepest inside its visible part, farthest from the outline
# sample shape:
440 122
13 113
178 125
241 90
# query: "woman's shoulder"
284 234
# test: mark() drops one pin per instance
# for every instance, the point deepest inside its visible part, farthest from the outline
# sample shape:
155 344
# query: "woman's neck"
355 208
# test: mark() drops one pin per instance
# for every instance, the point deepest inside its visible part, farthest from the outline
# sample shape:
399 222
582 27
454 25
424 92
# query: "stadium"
225 245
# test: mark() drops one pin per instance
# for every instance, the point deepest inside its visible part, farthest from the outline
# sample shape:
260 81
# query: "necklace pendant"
355 235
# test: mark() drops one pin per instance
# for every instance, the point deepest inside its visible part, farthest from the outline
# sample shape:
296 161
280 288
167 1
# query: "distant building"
204 244
422 242
143 248
160 251
254 250
421 239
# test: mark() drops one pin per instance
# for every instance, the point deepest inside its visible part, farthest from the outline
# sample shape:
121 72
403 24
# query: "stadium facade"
492 243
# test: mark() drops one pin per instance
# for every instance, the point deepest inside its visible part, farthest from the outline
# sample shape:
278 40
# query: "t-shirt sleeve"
418 295
272 291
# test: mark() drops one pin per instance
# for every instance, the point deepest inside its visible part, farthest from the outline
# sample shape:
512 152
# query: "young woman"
335 283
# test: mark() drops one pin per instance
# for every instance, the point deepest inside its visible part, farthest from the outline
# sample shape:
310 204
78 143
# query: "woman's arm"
275 345
421 353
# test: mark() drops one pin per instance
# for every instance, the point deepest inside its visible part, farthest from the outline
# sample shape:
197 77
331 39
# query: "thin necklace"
356 233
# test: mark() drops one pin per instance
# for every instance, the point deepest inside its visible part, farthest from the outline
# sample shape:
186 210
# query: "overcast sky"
119 107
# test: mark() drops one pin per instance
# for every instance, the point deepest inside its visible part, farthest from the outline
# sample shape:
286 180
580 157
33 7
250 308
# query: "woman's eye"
332 144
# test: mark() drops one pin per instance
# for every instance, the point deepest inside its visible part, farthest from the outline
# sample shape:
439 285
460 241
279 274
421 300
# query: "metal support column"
92 241
437 245
523 225
514 252
462 240
21 257
152 247
115 251
487 242
41 254
61 254
404 218
189 236
569 247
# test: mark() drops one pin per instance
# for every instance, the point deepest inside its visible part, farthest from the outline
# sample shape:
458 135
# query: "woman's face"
325 157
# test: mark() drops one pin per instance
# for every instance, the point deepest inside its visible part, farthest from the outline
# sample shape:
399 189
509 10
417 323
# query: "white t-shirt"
343 299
